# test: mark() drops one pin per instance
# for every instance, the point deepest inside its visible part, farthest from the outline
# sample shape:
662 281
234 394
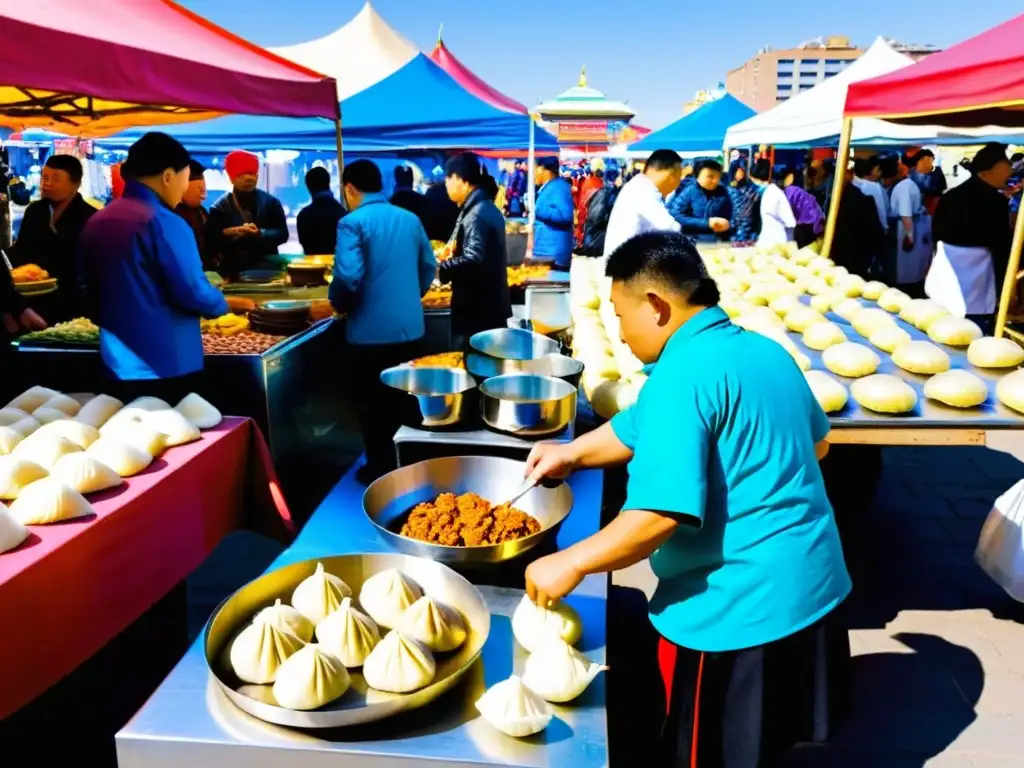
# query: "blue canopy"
701 130
420 106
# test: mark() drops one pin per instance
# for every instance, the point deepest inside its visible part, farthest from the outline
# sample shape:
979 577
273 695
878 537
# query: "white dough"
921 357
848 309
44 450
893 300
559 673
399 664
1010 390
15 474
386 595
12 532
830 394
960 389
888 339
851 360
149 404
199 411
310 678
84 473
63 403
954 331
32 398
78 433
259 650
873 290
921 313
319 595
514 709
45 414
138 435
884 394
438 626
872 319
990 352
9 416
49 501
287 619
176 427
98 411
348 634
9 439
784 304
533 625
126 460
821 336
800 318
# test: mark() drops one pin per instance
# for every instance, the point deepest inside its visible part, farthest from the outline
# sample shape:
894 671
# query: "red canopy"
99 66
465 77
975 83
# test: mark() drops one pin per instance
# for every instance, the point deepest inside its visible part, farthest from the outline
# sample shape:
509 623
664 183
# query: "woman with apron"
913 231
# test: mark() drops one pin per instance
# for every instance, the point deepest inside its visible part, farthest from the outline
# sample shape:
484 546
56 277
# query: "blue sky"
654 54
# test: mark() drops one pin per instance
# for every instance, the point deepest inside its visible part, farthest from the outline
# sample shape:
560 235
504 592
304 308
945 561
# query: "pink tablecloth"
72 587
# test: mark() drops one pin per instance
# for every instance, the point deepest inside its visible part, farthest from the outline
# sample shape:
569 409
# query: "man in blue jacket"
704 209
142 278
552 230
383 265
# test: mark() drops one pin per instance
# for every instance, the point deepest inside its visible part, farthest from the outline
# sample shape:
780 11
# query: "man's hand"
718 224
908 243
554 460
31 320
249 229
551 578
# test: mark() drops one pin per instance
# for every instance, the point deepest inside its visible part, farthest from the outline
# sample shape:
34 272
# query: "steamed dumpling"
884 394
954 331
127 416
32 398
559 673
784 304
921 357
888 339
138 435
873 290
259 650
514 709
15 474
45 450
149 404
851 360
9 439
533 625
98 411
45 414
176 427
852 286
49 501
960 389
26 426
438 626
348 634
84 473
991 352
823 301
1010 390
386 595
921 313
9 416
310 678
399 664
800 318
848 309
63 403
81 397
870 320
126 460
78 433
319 595
199 411
830 394
287 619
893 300
821 336
12 532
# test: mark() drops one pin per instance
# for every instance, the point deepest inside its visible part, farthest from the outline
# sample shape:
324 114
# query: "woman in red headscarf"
246 225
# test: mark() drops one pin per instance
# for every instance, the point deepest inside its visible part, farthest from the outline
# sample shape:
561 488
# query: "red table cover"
72 587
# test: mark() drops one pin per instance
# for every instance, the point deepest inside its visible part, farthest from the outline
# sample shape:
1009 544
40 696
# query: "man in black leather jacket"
477 267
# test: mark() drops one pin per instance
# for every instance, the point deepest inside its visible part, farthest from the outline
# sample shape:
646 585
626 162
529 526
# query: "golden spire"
583 77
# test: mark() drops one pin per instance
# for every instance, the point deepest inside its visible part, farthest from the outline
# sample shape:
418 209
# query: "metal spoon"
528 485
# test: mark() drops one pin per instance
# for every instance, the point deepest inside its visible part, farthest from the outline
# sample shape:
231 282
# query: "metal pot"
527 405
513 344
482 367
444 396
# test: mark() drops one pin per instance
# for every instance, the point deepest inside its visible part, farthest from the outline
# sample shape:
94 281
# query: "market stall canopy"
358 55
582 102
418 107
95 68
703 129
465 77
975 83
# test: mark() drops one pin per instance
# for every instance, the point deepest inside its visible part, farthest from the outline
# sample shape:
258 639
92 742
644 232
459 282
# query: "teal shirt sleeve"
624 426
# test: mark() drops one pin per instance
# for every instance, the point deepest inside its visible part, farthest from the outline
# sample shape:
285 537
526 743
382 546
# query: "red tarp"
99 66
465 77
975 83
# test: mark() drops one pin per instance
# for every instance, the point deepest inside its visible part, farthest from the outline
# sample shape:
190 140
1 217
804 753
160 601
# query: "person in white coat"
777 219
913 229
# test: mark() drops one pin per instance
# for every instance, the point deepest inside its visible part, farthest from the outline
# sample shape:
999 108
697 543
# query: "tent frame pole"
341 157
1010 280
838 185
531 167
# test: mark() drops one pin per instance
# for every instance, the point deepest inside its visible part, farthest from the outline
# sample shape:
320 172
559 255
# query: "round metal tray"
495 479
360 704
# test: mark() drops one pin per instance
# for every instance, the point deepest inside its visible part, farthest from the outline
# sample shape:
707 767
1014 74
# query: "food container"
307 274
527 405
359 704
444 397
258 276
513 344
482 367
389 498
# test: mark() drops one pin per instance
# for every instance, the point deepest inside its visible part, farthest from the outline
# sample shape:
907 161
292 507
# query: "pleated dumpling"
127 416
259 650
436 625
12 532
126 460
64 403
49 501
514 709
26 426
386 595
348 634
45 414
558 672
32 398
9 439
287 619
84 473
45 450
533 625
176 427
149 404
138 435
310 678
16 474
399 664
319 595
98 411
200 412
9 416
78 433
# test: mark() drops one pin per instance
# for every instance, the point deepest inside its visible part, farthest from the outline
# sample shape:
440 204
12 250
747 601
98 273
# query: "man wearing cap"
191 209
553 215
246 225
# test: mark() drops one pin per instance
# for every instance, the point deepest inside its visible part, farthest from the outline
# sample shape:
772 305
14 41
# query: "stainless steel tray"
360 704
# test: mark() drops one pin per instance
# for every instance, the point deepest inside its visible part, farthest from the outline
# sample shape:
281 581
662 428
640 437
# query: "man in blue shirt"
726 498
552 229
704 209
141 275
383 264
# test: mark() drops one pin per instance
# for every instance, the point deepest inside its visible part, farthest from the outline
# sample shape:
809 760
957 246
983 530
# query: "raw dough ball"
734 306
319 595
848 309
823 335
348 634
176 427
851 360
800 318
822 302
16 474
893 300
44 450
399 665
9 439
78 433
990 352
830 394
533 625
137 435
97 411
514 709
921 357
1010 390
9 416
867 321
960 389
12 532
26 426
884 393
921 313
438 626
48 501
873 290
559 673
66 405
888 339
32 398
126 460
386 595
852 286
784 304
954 331
45 414
310 678
84 473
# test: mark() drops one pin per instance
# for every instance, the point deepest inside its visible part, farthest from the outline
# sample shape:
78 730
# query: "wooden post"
838 184
1010 280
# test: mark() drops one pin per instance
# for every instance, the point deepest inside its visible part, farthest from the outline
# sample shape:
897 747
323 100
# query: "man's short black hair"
863 166
890 167
797 174
912 161
67 163
667 258
550 164
988 157
153 154
761 170
404 176
318 179
196 171
710 165
364 175
663 160
465 165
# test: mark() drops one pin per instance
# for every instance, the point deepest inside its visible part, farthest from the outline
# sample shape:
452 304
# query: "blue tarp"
701 130
418 107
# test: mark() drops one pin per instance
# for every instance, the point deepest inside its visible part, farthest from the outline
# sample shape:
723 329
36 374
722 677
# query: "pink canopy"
96 67
468 80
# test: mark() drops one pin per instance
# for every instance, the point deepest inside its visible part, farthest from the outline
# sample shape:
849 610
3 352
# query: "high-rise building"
773 76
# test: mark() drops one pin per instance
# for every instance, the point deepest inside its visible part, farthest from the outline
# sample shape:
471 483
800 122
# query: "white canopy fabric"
360 54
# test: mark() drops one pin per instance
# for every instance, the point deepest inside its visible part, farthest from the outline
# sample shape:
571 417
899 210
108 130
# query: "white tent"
360 54
815 117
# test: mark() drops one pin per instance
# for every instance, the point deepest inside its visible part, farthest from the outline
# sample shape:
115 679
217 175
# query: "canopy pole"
1010 281
531 165
838 184
341 157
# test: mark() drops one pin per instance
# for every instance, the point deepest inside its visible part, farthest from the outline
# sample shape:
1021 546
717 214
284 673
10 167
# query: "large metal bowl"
443 395
527 405
360 704
483 367
495 479
513 344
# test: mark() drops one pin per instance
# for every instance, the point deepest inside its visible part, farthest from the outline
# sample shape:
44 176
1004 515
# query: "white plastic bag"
1000 550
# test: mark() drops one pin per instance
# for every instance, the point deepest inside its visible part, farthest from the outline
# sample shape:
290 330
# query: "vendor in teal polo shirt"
726 498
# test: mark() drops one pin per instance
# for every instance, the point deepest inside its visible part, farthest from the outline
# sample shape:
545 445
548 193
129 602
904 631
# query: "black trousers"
379 408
